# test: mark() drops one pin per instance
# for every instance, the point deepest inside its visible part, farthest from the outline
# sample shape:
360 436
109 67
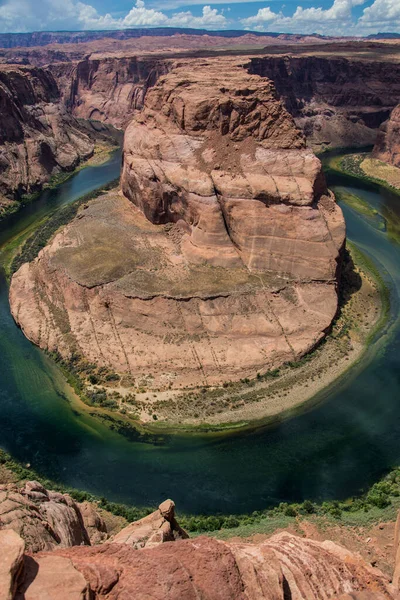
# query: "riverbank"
363 166
370 516
295 386
138 414
101 154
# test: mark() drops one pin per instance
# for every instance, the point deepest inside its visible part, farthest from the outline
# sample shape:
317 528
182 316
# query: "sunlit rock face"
222 258
282 567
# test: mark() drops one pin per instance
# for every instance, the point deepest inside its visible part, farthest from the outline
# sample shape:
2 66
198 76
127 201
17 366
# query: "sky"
329 17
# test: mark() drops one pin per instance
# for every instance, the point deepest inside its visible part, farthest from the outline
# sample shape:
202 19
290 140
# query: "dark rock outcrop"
336 101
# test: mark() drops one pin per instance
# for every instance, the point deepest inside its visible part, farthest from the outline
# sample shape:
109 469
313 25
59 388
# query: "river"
346 442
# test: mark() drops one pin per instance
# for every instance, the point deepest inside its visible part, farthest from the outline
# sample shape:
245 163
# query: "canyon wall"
336 101
107 89
221 261
387 147
38 138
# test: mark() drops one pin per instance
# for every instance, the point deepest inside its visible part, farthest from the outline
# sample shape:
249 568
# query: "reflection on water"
341 446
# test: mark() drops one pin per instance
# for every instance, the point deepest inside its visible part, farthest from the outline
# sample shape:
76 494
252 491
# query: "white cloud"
39 15
27 15
211 19
382 15
169 4
335 20
140 16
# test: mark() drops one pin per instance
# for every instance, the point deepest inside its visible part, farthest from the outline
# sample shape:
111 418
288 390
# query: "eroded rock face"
336 101
155 529
387 147
283 567
37 136
11 562
229 263
220 154
45 519
109 88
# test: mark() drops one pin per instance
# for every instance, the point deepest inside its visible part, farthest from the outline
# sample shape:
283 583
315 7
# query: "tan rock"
157 528
387 147
11 560
46 519
51 577
282 567
234 269
93 523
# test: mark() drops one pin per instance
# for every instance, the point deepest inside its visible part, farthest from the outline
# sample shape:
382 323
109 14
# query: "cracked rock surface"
222 258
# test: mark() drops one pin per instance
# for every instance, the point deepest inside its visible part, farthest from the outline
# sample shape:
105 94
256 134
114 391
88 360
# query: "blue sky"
330 17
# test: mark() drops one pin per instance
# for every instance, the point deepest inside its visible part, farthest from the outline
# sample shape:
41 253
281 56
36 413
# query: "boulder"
155 529
46 519
11 561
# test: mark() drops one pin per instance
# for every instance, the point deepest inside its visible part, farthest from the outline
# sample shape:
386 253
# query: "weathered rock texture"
46 520
387 147
283 567
336 101
37 136
109 89
234 270
159 527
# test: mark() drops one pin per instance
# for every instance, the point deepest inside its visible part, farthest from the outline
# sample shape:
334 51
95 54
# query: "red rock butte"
220 260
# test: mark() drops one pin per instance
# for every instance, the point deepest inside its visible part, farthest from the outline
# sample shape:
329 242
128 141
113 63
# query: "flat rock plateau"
221 257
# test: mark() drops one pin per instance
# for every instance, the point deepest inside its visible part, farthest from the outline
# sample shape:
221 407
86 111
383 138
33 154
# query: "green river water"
344 443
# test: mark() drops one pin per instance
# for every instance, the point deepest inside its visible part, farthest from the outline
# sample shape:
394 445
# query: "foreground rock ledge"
283 567
221 261
50 551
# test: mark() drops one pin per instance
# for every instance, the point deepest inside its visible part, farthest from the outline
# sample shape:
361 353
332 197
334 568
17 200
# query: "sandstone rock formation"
338 101
107 89
387 147
158 528
11 562
283 567
38 138
46 520
235 269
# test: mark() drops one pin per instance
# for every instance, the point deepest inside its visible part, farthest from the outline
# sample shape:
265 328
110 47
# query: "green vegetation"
380 502
40 238
362 207
351 165
368 266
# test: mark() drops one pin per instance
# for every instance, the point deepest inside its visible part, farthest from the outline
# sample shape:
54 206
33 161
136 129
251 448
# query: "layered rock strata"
283 567
224 262
387 147
336 101
153 558
107 89
38 138
47 520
